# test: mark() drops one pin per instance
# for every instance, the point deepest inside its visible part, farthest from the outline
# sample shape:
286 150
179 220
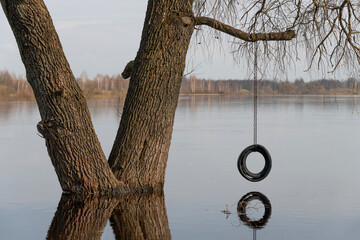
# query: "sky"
103 38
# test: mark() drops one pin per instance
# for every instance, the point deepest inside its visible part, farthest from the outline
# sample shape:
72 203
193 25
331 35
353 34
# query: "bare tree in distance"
137 162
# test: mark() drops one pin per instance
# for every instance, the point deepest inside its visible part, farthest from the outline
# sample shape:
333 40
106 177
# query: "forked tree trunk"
140 152
65 124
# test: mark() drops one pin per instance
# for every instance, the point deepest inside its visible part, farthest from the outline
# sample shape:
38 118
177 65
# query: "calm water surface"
312 192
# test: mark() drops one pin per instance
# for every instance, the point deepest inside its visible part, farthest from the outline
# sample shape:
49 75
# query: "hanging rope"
244 171
255 90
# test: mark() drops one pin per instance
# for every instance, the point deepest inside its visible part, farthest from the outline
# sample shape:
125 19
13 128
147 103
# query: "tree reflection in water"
136 217
140 218
132 217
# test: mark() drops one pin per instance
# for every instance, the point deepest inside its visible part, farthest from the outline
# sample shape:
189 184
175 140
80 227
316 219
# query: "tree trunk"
140 152
141 218
65 124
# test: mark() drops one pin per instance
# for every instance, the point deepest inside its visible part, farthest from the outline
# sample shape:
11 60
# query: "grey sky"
102 38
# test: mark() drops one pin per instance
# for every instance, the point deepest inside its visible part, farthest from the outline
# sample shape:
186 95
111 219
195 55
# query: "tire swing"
241 164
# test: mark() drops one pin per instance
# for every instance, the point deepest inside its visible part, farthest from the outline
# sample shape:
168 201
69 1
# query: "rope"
255 91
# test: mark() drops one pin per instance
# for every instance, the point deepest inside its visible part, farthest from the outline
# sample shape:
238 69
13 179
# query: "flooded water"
312 191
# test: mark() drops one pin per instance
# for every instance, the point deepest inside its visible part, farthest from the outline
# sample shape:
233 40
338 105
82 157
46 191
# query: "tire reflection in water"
251 203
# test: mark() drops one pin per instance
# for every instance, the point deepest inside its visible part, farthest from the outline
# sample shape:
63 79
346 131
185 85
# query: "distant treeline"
103 86
194 85
14 87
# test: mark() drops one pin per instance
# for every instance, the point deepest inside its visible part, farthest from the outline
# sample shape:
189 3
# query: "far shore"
28 96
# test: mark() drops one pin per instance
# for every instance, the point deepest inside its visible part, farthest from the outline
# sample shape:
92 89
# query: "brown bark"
249 37
140 152
81 218
65 124
141 218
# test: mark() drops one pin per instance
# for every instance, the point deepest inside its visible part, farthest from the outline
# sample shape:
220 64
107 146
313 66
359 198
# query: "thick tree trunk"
66 125
140 152
81 218
141 218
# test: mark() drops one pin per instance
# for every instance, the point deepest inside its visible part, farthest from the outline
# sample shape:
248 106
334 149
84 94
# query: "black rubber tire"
245 172
241 209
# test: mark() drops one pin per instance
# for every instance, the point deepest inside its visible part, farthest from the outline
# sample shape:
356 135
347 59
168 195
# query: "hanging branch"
249 37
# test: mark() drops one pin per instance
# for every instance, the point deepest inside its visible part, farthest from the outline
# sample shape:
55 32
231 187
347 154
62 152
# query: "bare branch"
326 31
249 37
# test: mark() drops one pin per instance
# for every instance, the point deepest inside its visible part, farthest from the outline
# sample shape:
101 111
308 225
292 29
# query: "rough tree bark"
140 152
66 125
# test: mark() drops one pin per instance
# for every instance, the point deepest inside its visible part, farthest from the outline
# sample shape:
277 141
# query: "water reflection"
136 217
326 127
246 203
251 204
106 107
132 218
80 218
113 107
15 110
140 218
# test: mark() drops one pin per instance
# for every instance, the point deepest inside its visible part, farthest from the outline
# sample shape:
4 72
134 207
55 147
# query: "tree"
83 79
287 88
138 158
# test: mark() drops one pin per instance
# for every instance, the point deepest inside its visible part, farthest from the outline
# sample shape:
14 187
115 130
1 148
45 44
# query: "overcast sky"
104 37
